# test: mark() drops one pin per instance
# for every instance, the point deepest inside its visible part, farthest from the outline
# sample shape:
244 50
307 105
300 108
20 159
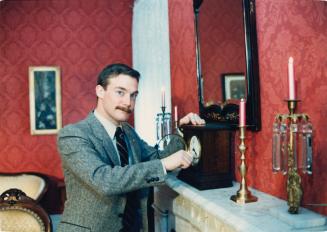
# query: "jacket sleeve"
82 159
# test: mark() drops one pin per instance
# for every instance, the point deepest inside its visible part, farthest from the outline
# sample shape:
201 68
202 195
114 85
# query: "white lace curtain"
151 57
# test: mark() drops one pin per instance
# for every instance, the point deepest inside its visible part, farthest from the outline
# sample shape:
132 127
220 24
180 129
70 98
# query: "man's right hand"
179 159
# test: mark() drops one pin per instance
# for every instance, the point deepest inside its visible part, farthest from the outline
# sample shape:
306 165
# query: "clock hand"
196 154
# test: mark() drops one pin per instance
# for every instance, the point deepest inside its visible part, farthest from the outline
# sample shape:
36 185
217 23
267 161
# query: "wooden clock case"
215 168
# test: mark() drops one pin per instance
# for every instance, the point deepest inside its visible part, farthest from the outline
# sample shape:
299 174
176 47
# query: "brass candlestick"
243 195
289 130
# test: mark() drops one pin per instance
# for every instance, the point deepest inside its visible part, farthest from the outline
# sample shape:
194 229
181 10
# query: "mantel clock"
211 146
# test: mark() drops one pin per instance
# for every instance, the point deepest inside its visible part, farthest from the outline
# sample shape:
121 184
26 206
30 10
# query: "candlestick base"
294 190
243 196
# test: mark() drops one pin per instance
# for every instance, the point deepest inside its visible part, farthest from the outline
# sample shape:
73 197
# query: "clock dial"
195 149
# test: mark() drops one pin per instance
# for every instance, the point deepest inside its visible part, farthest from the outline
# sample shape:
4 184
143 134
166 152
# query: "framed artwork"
45 100
234 86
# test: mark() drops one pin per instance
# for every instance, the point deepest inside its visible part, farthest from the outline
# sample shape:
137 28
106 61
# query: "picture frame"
45 100
233 86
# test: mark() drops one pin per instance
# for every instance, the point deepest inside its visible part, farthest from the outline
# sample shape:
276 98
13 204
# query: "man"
107 167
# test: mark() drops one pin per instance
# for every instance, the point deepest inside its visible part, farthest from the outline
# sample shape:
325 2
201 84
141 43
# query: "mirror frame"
228 113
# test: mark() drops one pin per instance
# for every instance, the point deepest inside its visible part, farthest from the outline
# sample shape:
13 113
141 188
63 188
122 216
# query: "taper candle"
291 84
163 104
242 113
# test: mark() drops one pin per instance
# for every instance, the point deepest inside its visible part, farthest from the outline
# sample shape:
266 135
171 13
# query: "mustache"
125 109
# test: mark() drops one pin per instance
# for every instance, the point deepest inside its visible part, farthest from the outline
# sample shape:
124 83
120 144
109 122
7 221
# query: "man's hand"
180 159
191 118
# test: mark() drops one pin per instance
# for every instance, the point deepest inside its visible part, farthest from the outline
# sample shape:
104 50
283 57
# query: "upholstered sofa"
19 208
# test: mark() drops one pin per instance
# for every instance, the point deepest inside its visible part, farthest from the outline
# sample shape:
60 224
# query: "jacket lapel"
111 151
101 134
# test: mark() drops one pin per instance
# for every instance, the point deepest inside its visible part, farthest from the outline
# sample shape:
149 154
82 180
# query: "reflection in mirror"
233 86
222 45
227 60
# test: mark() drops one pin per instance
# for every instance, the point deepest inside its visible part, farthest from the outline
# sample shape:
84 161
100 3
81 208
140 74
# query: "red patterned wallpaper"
221 44
182 56
79 36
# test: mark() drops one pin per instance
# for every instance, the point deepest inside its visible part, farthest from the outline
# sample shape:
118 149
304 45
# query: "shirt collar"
107 124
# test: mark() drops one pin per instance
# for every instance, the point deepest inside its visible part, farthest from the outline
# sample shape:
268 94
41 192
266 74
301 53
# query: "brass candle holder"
243 195
289 163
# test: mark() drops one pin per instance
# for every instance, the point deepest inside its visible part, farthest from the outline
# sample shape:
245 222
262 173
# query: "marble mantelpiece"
188 209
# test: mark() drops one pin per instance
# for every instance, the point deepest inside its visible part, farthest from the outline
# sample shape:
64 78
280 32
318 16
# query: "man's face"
117 101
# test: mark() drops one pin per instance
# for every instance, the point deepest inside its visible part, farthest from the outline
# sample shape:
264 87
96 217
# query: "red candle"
242 113
163 104
291 85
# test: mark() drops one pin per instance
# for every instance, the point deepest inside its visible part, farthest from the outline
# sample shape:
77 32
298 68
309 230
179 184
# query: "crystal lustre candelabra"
164 127
292 149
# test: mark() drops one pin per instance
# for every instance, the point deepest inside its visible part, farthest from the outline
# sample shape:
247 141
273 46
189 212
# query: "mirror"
227 60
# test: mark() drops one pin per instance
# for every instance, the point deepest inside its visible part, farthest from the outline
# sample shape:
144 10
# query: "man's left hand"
191 118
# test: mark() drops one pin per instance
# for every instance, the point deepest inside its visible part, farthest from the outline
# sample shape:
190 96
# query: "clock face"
195 149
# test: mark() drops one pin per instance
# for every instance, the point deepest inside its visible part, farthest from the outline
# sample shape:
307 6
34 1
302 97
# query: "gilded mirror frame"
228 113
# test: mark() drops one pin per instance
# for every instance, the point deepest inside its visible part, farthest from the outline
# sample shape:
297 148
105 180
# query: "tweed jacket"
96 184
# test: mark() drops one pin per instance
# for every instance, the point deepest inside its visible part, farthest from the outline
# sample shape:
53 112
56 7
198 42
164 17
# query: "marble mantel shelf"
268 214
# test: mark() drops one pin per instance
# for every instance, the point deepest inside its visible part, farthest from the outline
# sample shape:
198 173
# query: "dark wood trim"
253 110
15 199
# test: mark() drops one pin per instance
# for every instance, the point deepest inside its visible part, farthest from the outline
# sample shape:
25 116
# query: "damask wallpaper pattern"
79 36
182 56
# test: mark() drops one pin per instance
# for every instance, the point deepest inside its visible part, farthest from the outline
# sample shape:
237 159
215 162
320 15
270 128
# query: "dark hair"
114 70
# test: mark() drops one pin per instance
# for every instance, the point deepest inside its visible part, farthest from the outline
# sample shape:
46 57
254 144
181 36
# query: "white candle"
163 104
242 113
176 114
291 85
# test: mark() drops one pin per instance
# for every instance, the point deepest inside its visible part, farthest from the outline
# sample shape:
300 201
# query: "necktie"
131 218
121 146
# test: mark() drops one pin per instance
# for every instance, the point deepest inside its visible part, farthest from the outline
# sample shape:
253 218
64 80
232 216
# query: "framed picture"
45 100
233 85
